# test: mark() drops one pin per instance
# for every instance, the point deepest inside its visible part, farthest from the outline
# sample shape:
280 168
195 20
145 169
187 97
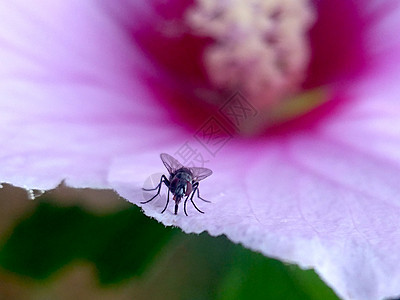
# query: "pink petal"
73 106
320 199
325 197
67 94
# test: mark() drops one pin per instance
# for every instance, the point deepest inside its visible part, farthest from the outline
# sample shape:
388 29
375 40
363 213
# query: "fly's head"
181 183
180 188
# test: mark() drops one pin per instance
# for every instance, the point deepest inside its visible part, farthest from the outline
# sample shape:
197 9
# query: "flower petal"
324 197
70 99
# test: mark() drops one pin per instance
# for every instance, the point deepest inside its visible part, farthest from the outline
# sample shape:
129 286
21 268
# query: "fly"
182 182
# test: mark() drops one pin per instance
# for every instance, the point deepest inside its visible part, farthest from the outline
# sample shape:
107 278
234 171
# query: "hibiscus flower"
92 93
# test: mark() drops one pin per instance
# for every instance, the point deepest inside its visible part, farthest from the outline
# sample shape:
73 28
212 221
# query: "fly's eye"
188 188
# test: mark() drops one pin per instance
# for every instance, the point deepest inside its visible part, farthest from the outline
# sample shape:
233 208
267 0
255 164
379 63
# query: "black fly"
182 182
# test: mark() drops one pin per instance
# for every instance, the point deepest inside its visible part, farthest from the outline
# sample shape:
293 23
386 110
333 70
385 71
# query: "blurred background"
92 244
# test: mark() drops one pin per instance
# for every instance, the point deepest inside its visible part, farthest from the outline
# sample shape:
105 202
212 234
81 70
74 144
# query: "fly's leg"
147 190
191 200
195 187
166 205
184 205
158 185
162 180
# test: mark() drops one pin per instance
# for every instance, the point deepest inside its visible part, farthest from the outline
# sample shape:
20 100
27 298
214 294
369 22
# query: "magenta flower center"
260 48
284 57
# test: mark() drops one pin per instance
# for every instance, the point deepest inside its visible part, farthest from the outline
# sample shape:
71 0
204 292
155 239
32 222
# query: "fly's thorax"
181 175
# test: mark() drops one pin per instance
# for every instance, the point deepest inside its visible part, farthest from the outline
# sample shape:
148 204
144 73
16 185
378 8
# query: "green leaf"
205 268
124 244
253 274
120 244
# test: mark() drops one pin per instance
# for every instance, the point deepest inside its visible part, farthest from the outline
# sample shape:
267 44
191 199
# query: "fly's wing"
170 163
200 173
